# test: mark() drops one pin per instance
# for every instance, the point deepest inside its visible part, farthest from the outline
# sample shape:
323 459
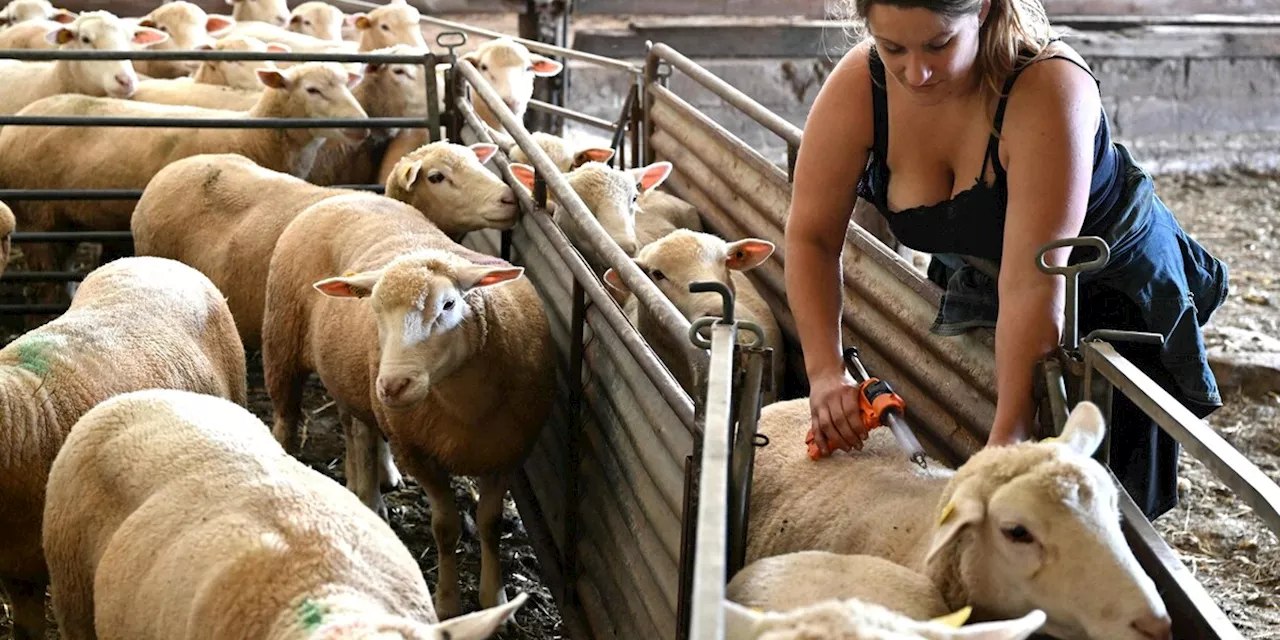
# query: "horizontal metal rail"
570 114
32 309
729 93
215 123
1233 469
71 236
532 45
43 276
20 195
202 55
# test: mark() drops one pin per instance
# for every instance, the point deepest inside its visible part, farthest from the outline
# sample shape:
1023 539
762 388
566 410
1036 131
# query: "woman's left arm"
1048 134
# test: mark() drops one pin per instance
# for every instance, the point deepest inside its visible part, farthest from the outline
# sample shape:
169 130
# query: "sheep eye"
484 67
1018 534
448 306
306 22
84 40
313 91
163 28
398 72
435 177
657 275
386 28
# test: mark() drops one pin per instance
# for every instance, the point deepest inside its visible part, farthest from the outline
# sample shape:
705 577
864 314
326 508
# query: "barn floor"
1235 215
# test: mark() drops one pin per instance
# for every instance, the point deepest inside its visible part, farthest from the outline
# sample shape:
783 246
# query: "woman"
975 133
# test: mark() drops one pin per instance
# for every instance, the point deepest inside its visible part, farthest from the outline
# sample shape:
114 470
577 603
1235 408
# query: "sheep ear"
748 253
614 281
295 19
408 173
279 48
1084 430
207 47
363 22
593 154
219 25
60 36
64 16
955 619
524 173
147 22
1016 629
480 624
146 36
651 176
484 151
544 67
964 509
353 80
354 285
272 79
473 276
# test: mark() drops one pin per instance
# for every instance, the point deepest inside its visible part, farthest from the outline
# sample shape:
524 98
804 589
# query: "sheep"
182 91
7 226
189 501
189 28
796 580
319 20
91 31
451 359
222 214
272 12
101 157
19 11
295 41
32 34
1030 526
610 194
237 74
136 323
683 257
565 157
853 619
391 24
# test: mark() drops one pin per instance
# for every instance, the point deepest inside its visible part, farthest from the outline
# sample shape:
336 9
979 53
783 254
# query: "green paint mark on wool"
311 614
33 355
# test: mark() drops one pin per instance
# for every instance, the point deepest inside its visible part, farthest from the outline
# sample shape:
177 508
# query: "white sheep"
296 42
174 515
237 74
1016 528
102 157
797 580
189 28
32 34
183 91
391 24
222 213
319 20
684 257
7 225
91 31
273 12
610 194
451 358
853 619
135 323
18 11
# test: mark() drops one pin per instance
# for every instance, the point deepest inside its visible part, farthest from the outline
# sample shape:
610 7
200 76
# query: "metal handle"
1113 335
1071 328
451 40
695 335
726 315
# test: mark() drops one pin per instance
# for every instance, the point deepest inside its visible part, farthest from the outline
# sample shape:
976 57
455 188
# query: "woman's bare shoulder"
843 107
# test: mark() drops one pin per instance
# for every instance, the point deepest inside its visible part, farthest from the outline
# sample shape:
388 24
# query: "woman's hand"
835 422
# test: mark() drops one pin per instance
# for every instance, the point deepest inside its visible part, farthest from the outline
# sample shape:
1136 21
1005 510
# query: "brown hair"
1016 32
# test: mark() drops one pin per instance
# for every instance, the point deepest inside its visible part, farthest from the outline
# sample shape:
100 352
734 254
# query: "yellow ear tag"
1049 439
946 512
348 274
956 619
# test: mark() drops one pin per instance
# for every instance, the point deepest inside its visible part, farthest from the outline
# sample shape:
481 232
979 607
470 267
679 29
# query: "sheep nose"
628 247
508 200
126 82
1156 627
391 389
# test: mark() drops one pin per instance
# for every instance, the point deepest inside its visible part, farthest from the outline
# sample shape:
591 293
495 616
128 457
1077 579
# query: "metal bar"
532 45
650 80
71 236
540 539
570 114
32 309
43 276
1057 391
620 129
687 536
728 93
201 55
707 619
636 281
573 453
744 455
636 123
213 123
621 567
1100 393
550 239
20 195
1232 468
433 100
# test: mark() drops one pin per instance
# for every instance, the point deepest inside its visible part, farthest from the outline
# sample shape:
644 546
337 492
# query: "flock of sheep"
169 511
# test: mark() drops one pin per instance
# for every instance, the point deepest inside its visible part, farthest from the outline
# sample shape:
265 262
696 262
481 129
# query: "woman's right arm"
837 137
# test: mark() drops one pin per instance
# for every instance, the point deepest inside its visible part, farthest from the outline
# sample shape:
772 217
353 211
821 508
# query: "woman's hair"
1015 32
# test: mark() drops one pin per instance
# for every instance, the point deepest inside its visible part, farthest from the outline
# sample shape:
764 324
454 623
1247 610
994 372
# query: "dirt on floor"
1236 216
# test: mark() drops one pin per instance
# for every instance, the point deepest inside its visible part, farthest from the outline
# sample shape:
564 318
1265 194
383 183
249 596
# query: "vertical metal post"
744 450
1099 391
792 152
638 111
451 91
688 527
573 456
433 99
650 77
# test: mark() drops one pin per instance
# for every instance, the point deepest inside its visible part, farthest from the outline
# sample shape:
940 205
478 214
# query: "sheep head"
449 184
313 90
510 69
391 24
853 619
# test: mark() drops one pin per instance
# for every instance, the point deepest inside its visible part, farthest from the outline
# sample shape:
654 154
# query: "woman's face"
929 54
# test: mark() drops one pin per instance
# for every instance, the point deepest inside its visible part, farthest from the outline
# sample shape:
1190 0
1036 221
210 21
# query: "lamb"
565 157
32 34
391 24
1016 528
272 12
136 323
222 214
610 194
684 257
319 20
797 580
451 359
189 28
854 619
237 74
91 31
102 157
197 512
18 11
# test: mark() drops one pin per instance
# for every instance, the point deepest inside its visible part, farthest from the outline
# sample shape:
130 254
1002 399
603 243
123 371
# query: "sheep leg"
389 478
446 527
27 599
362 454
284 385
73 606
493 489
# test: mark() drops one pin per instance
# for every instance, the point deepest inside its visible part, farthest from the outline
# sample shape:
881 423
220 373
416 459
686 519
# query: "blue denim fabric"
1174 283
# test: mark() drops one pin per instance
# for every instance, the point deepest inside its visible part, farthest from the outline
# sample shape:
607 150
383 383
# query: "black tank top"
972 222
